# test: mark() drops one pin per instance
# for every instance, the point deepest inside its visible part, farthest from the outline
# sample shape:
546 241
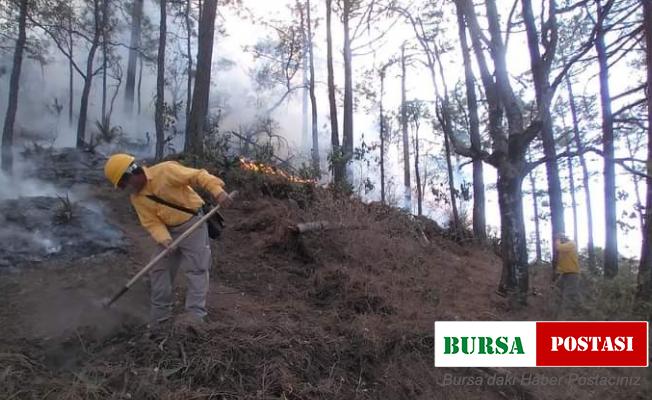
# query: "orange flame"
271 170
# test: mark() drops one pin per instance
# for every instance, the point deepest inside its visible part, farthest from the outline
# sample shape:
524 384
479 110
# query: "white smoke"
16 186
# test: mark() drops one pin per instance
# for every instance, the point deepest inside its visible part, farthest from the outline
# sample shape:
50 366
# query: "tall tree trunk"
199 111
451 179
140 82
512 233
571 183
382 136
83 106
417 172
645 267
105 51
134 53
88 77
14 86
113 98
495 108
637 186
313 97
338 166
347 129
479 224
540 71
611 225
535 203
305 92
585 174
444 116
407 182
571 178
552 173
159 117
509 148
304 107
189 54
71 75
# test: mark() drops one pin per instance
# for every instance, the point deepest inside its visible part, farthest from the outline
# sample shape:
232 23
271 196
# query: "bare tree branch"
285 95
58 43
620 161
630 106
628 92
509 23
572 7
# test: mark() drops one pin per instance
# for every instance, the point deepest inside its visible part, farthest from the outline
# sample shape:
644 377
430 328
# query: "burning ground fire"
271 170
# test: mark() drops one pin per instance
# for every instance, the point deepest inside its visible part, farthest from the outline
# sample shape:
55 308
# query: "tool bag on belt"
215 223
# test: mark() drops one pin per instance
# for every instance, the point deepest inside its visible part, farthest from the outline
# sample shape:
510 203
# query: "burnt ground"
342 313
35 229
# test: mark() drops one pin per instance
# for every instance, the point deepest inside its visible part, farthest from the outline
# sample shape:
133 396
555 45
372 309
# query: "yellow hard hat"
116 166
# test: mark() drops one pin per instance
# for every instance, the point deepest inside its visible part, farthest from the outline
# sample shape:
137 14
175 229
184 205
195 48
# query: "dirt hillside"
344 312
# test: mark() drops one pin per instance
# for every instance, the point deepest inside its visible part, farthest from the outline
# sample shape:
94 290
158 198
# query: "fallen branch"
304 227
423 236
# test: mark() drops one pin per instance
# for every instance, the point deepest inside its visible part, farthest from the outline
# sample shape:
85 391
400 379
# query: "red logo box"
592 344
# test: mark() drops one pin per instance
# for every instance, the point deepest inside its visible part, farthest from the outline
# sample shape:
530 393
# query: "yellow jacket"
567 261
172 182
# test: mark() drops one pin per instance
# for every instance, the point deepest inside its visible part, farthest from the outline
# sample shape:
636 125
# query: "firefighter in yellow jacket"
171 182
567 273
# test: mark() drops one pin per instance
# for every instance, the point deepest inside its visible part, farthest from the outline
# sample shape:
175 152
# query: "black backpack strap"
171 205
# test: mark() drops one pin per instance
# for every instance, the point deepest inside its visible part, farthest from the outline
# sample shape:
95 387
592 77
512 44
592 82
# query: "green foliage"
217 146
344 188
105 132
335 157
264 152
308 171
613 299
260 139
363 152
277 58
440 194
465 191
337 161
64 213
417 111
362 157
217 154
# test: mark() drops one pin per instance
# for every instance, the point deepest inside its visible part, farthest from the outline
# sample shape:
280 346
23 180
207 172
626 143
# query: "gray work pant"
194 252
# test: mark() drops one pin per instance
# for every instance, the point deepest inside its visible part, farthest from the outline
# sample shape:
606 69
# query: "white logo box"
526 330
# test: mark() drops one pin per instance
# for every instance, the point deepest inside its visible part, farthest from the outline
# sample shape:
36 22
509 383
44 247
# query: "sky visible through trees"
257 77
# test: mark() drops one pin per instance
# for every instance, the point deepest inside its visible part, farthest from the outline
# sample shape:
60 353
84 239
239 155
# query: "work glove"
224 200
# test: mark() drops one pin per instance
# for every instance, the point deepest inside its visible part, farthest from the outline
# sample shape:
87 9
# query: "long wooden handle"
165 252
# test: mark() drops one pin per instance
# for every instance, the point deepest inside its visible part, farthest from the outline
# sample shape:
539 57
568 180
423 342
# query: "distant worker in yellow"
167 205
567 273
